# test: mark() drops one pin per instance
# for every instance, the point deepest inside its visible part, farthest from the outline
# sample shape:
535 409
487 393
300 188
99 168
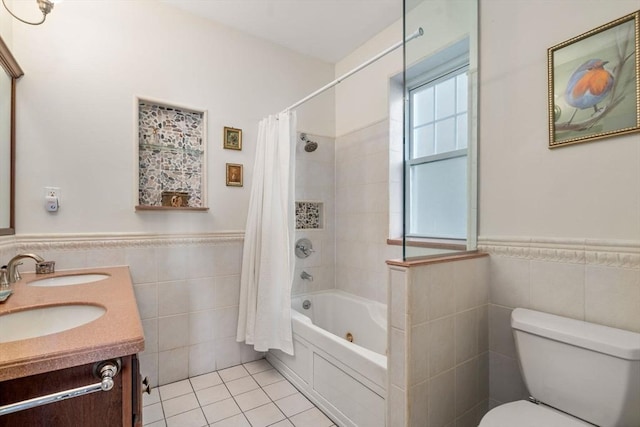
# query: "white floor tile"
205 381
268 377
258 366
311 418
220 410
242 385
213 394
279 390
151 398
152 413
264 415
169 391
294 404
180 404
235 421
193 418
233 373
250 406
252 399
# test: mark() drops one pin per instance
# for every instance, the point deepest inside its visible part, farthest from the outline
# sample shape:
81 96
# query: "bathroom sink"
71 279
41 321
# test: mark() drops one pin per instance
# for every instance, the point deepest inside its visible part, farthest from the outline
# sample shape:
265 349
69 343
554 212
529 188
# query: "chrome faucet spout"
12 265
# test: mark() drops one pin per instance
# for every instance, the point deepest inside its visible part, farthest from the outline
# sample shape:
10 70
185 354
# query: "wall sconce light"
45 7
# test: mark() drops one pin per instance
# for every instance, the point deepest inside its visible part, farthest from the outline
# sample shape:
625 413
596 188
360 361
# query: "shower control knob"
304 248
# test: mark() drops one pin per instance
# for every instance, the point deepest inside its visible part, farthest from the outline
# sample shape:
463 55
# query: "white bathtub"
347 380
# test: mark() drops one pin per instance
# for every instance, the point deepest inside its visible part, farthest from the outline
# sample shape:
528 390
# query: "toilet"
579 374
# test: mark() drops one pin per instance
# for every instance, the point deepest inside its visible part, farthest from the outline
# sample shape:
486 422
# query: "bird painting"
588 85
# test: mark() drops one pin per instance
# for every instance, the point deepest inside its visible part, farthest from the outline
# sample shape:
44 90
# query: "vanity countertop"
116 333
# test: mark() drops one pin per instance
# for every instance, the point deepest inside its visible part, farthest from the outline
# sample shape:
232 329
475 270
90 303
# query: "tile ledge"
436 259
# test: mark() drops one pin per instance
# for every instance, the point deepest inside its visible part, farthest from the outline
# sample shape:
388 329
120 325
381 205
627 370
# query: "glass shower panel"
440 135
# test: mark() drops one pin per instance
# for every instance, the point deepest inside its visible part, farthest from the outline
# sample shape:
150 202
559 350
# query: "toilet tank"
589 371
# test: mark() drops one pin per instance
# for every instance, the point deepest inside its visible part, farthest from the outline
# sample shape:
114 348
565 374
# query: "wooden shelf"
169 208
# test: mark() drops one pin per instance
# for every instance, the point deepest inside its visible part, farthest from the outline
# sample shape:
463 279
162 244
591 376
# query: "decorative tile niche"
309 215
171 157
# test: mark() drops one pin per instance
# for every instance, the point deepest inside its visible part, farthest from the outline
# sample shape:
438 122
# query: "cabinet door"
99 409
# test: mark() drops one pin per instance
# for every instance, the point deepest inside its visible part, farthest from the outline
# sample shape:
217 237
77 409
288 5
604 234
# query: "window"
437 152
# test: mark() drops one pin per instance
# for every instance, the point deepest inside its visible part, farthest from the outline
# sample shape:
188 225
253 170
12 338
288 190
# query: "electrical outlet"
52 192
51 198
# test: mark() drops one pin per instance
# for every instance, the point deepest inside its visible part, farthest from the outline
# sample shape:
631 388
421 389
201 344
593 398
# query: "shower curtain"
264 318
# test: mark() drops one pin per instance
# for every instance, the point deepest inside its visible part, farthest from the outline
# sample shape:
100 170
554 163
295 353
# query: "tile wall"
362 212
438 359
187 289
315 181
595 281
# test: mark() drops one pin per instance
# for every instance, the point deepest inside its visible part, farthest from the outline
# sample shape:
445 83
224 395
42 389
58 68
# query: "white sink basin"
41 321
71 279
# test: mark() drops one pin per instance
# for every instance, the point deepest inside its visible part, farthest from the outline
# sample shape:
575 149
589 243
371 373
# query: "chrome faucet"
12 266
306 276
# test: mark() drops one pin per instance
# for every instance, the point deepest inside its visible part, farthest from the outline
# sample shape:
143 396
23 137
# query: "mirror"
7 138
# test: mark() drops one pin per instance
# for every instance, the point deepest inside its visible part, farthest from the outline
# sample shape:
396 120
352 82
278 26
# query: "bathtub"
347 380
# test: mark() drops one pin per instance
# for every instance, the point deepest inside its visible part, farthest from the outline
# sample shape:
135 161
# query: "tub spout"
306 276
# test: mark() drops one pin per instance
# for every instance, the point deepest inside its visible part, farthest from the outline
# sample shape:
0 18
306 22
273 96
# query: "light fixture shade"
45 6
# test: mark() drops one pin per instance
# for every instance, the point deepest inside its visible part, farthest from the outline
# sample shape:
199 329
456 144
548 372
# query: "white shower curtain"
264 318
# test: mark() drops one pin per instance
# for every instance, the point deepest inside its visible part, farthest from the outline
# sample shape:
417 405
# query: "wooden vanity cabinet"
120 406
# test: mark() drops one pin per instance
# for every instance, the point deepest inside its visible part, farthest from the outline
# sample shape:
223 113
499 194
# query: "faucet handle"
4 277
16 273
46 267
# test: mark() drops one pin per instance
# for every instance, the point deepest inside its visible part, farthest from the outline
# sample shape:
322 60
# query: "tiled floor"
249 395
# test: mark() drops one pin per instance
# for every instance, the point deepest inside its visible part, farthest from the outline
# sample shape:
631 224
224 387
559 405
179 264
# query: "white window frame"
431 71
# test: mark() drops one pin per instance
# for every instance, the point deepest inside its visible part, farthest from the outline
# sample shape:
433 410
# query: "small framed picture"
232 138
594 84
234 175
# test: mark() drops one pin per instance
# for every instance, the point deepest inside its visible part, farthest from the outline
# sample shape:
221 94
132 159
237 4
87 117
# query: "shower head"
309 146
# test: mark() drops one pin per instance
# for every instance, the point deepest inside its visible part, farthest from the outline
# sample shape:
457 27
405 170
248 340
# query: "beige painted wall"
76 115
589 190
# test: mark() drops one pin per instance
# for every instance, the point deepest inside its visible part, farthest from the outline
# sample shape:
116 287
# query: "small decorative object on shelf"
234 175
232 139
175 199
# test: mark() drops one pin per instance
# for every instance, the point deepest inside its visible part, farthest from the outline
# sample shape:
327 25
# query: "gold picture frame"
594 83
232 138
234 175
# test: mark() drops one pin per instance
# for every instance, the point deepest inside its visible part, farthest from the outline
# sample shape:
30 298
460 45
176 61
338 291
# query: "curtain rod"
416 34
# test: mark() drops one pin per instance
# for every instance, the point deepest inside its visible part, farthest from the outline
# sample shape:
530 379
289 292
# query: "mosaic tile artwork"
171 153
308 215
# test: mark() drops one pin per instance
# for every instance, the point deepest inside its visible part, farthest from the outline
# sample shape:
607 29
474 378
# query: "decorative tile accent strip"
48 242
7 242
308 215
611 253
171 153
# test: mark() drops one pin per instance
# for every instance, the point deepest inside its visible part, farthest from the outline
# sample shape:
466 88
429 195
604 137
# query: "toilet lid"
526 414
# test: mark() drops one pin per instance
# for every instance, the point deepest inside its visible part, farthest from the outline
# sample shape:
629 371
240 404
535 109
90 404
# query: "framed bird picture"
594 83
